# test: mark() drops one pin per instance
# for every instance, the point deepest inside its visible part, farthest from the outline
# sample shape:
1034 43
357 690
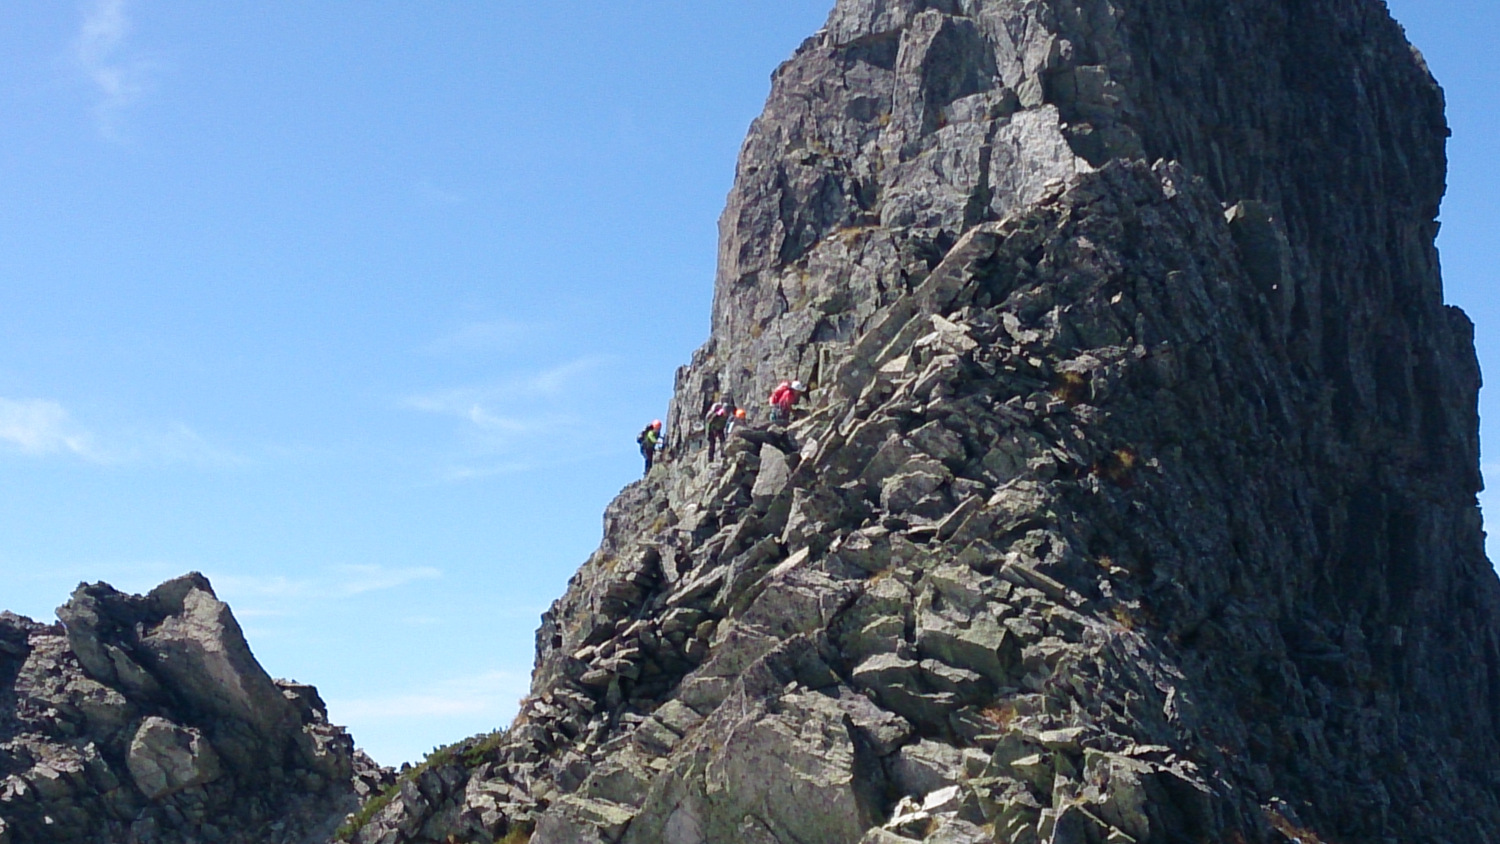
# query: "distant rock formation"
1134 500
146 720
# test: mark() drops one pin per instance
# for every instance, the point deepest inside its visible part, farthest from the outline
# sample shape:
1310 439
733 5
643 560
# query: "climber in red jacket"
783 397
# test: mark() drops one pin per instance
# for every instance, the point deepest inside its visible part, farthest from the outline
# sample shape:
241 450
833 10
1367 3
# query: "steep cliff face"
146 720
1134 499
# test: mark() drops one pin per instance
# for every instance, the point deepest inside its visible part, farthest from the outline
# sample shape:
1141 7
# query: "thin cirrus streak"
118 78
357 580
335 582
543 394
40 427
45 428
553 381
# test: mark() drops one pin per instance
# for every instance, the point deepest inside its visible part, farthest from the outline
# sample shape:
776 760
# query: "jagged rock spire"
145 719
920 119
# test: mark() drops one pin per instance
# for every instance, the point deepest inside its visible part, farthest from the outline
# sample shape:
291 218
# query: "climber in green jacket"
650 442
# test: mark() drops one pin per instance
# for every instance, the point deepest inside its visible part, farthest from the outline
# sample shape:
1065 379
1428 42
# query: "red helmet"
656 424
739 413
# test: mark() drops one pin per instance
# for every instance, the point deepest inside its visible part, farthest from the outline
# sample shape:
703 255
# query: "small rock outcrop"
147 720
1135 496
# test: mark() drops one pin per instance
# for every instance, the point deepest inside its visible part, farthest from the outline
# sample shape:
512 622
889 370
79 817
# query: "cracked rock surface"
1134 499
146 720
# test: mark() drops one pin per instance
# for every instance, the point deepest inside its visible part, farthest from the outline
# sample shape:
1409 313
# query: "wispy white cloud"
475 403
253 613
118 77
471 405
479 473
43 427
182 445
564 376
508 424
344 581
357 580
577 449
493 692
537 395
276 586
532 420
40 427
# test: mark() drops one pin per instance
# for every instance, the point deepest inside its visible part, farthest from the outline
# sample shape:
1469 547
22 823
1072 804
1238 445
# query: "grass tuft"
1072 388
1001 715
469 753
1119 466
374 806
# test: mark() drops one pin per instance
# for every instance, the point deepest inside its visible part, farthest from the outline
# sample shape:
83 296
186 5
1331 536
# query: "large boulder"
165 758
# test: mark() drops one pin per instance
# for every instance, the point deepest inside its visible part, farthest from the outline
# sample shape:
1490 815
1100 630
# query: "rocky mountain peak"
1134 497
900 125
145 719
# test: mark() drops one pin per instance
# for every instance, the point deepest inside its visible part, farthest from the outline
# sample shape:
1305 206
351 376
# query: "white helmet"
799 386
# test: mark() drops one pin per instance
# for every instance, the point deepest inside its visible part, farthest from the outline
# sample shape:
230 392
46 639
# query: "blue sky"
357 306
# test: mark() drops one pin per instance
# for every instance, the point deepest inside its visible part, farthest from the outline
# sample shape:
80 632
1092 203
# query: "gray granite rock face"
147 720
1134 497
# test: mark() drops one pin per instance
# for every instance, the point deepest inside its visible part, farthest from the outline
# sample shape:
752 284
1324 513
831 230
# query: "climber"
783 397
717 424
650 442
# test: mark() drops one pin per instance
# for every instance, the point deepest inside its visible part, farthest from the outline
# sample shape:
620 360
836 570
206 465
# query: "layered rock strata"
147 720
1134 500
